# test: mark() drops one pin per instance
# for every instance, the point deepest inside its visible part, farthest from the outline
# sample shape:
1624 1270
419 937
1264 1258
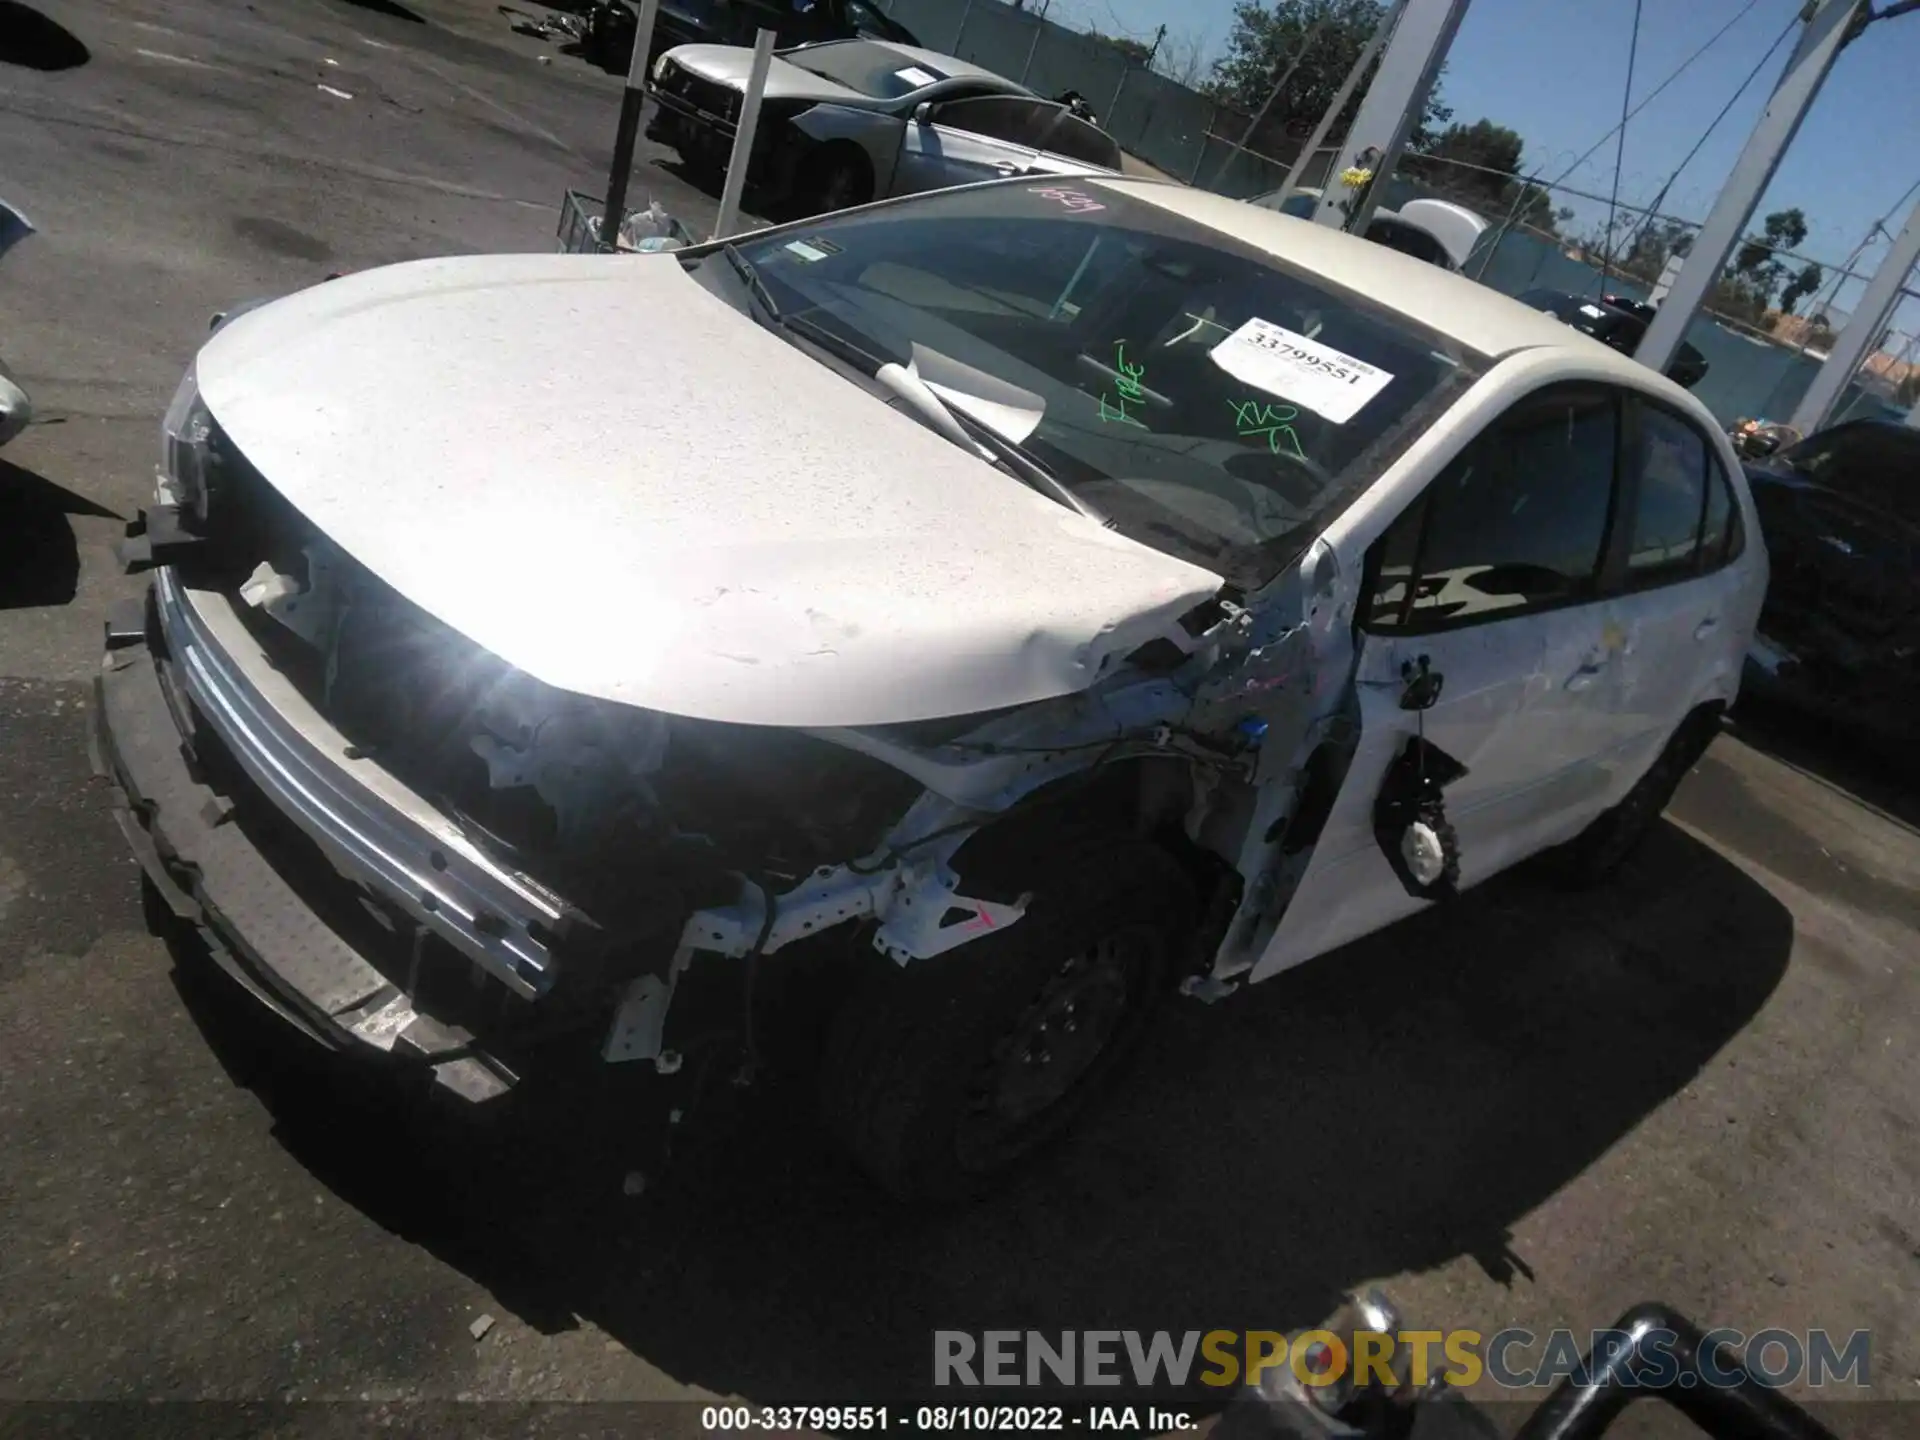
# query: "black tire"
931 1077
1596 853
835 177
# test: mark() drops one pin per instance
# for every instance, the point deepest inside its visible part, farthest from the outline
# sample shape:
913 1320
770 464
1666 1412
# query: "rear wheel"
943 1075
1593 855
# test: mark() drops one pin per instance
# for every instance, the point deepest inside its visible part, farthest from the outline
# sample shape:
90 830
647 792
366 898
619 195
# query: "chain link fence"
1539 235
1763 331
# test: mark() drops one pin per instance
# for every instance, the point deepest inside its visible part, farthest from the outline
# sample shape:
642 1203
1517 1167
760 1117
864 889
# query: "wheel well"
843 150
1147 797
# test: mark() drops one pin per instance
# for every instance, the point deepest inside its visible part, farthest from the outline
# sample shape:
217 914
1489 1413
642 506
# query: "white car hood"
730 64
616 482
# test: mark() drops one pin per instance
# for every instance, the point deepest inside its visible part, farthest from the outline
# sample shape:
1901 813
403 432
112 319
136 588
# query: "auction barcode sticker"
1281 362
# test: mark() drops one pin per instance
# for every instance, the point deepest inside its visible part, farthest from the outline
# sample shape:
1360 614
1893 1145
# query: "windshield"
1205 397
870 68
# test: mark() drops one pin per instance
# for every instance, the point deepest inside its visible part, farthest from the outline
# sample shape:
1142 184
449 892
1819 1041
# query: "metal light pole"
632 102
1869 317
738 161
1397 95
1829 24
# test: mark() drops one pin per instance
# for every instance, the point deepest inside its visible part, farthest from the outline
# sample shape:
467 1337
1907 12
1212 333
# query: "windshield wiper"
750 277
1023 463
1015 458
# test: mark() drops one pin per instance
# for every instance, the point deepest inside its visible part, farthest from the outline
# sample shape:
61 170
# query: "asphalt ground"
1697 1085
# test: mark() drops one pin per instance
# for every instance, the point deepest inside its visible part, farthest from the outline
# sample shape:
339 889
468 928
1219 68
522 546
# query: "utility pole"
1829 24
1870 315
1398 94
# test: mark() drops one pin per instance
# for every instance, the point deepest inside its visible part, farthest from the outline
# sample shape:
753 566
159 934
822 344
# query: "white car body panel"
729 65
652 536
907 155
1556 714
741 534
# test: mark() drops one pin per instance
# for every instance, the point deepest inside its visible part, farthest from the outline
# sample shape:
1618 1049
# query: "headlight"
660 68
184 450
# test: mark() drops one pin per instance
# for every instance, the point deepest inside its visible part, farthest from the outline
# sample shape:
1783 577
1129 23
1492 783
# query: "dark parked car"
1840 633
1619 322
608 40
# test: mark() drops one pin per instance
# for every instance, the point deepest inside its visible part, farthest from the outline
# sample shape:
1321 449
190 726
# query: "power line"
1661 87
1620 151
1734 99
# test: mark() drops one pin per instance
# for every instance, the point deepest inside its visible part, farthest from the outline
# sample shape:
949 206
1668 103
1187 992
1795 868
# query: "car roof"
1480 318
951 66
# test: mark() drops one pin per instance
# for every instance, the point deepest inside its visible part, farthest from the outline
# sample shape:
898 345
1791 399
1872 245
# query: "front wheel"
942 1075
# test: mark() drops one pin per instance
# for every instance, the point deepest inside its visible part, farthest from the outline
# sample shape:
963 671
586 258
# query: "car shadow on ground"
39 558
35 42
1394 1107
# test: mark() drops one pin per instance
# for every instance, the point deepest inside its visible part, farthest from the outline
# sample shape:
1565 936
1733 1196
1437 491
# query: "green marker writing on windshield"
1252 417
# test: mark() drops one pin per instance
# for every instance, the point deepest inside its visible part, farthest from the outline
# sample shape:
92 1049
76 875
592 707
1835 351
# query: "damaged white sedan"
986 612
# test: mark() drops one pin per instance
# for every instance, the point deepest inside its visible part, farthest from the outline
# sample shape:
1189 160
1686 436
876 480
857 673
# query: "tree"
1472 162
1183 59
1810 279
1756 262
1267 38
1138 51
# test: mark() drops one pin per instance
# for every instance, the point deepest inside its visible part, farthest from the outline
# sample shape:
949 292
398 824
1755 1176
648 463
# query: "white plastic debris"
652 229
337 94
479 1328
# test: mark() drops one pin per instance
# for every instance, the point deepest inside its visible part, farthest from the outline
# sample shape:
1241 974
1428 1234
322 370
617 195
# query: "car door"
1673 597
960 142
1491 581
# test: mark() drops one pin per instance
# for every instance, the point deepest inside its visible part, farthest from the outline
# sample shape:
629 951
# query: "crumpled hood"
614 481
731 64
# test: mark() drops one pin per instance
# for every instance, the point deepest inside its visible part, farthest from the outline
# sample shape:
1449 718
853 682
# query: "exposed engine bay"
672 838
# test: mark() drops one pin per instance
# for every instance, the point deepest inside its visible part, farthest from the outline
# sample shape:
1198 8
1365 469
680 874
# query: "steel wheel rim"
1047 1058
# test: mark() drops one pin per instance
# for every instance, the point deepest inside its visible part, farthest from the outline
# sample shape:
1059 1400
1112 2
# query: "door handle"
1706 627
1009 167
1590 670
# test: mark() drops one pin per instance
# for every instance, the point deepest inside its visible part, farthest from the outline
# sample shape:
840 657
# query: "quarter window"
1517 523
1671 503
1685 522
1067 134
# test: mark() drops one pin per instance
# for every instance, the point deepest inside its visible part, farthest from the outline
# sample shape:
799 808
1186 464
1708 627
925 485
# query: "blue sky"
1554 70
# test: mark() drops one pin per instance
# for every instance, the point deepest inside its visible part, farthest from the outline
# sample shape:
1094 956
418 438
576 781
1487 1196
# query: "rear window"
870 68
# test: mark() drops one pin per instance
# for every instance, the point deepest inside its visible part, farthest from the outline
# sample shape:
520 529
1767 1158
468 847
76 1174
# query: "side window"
1067 134
998 117
1672 500
1685 522
1517 523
